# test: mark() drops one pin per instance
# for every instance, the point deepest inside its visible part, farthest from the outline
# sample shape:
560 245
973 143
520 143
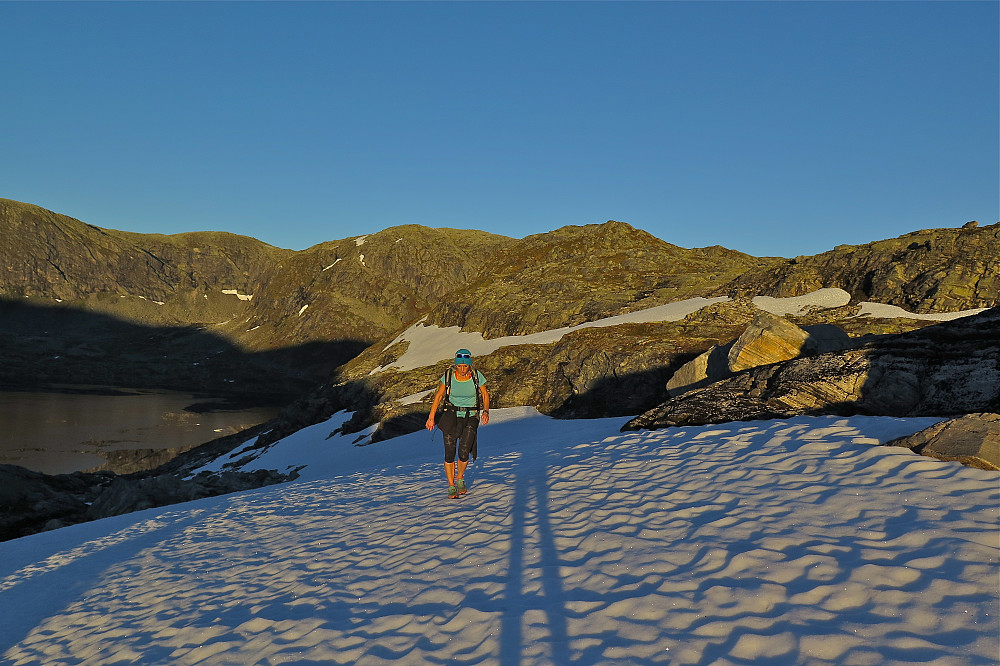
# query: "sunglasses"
463 355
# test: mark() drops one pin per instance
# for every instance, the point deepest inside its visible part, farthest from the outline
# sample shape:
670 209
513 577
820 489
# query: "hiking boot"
452 492
460 484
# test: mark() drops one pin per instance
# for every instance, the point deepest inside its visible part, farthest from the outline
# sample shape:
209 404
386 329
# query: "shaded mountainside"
209 309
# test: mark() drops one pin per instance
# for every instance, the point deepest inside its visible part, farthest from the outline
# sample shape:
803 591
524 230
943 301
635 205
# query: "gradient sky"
780 128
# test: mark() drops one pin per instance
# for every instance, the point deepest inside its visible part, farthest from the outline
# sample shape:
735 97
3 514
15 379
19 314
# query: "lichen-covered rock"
973 440
945 369
582 273
933 270
768 339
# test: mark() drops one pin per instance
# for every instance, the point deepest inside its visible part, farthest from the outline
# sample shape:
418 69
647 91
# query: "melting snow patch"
883 311
361 258
360 240
430 344
333 264
303 309
237 294
820 299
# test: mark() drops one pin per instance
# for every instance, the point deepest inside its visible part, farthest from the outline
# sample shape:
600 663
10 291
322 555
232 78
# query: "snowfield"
777 542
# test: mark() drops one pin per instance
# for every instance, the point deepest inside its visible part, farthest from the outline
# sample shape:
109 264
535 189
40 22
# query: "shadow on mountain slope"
620 395
55 345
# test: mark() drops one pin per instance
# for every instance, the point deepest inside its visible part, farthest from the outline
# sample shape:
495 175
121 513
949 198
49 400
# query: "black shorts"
459 434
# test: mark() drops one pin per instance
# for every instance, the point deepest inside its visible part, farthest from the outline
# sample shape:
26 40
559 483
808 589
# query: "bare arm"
484 418
434 406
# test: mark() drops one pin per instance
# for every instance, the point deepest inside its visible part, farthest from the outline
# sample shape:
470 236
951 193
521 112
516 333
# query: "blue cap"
463 357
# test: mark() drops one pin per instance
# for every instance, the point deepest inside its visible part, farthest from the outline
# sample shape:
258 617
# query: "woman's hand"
484 417
430 422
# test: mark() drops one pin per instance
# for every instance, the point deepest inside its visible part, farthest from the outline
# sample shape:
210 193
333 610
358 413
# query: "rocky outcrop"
769 339
124 495
582 273
933 270
706 368
941 370
973 440
34 502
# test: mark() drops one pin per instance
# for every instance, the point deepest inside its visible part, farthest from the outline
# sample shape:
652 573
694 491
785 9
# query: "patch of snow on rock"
883 311
430 343
821 299
237 294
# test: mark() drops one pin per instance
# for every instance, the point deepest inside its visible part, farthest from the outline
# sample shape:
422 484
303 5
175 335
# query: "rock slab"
942 370
973 440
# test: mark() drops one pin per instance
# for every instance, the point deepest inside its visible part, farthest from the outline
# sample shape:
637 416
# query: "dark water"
62 431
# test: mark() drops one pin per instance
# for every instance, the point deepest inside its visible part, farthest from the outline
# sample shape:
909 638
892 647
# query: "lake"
63 430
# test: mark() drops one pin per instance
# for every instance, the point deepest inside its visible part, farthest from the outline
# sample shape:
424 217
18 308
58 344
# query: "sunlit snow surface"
776 542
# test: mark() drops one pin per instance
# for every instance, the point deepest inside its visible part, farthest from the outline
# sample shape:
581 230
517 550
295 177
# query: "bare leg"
449 472
461 468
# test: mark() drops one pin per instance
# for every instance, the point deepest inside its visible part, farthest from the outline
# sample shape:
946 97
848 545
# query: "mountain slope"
142 308
152 278
579 274
933 270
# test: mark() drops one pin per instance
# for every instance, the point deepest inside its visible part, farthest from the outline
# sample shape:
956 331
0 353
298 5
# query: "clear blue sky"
779 128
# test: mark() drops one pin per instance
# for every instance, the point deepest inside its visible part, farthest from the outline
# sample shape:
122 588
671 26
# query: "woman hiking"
467 405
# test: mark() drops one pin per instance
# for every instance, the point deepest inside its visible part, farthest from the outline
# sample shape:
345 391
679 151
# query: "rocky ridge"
35 502
579 274
932 270
942 370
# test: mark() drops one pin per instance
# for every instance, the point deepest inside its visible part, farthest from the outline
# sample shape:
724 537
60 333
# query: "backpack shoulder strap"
475 382
447 381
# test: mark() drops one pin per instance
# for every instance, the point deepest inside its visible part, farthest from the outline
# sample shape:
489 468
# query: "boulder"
942 370
708 367
973 440
768 339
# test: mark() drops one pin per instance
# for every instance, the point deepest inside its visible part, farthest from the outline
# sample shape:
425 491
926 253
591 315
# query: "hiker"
467 405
